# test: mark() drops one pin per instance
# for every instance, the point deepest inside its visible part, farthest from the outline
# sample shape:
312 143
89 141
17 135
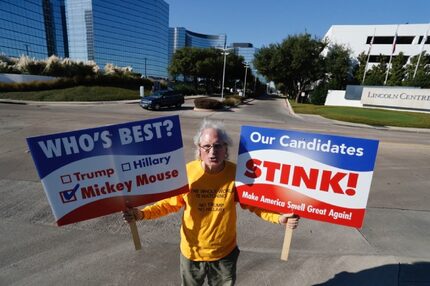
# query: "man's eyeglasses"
208 147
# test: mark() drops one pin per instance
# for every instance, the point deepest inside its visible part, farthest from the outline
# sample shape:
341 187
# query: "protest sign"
94 172
316 176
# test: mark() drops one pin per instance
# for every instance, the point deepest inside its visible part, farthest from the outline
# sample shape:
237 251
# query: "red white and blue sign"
94 172
317 176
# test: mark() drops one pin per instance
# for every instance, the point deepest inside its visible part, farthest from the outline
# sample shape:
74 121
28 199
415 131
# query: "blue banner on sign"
153 136
354 154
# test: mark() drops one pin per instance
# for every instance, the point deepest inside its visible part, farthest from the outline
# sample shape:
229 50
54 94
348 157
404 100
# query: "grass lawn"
78 93
370 116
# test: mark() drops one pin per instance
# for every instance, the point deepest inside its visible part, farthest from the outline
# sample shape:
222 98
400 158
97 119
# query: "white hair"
220 129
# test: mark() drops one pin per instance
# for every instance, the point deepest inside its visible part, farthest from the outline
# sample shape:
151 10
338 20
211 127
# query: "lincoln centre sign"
402 98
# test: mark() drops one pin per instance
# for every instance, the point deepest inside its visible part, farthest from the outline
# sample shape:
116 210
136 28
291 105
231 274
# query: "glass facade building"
247 51
180 37
124 33
33 27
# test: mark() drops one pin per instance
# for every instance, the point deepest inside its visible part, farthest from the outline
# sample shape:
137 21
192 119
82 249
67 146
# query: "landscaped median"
211 104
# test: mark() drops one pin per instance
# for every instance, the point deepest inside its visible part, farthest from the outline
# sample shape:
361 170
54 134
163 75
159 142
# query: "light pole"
244 84
146 76
224 52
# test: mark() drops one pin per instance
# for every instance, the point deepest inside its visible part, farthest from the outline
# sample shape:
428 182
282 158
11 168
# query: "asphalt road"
392 248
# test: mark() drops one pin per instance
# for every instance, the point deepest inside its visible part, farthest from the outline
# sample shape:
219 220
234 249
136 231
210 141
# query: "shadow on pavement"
171 108
269 97
390 274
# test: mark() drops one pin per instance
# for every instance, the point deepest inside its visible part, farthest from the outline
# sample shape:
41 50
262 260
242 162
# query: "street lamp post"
224 52
244 84
146 76
223 74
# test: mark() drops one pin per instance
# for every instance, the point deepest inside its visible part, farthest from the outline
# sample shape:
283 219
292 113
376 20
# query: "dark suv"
162 98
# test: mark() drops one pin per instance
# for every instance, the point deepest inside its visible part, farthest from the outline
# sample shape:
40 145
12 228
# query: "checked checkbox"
68 196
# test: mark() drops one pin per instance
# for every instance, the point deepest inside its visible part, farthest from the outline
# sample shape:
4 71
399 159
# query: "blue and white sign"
318 176
94 172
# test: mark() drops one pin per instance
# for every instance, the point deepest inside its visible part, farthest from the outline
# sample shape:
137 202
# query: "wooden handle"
135 235
286 244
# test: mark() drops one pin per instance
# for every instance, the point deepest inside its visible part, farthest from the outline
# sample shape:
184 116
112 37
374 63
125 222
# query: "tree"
422 77
397 70
205 65
338 72
358 68
376 76
338 64
184 63
296 62
264 61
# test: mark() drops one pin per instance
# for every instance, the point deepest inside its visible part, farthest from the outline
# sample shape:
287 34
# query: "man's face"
212 151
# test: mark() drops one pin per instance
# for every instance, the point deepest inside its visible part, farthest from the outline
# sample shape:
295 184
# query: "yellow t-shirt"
208 230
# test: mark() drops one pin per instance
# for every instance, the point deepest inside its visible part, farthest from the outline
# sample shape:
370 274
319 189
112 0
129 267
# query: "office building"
408 39
124 33
385 41
180 37
33 27
247 51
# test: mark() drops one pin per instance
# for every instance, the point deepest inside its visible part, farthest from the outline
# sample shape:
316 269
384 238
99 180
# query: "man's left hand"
290 220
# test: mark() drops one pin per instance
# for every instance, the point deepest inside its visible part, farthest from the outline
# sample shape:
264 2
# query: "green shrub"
36 67
319 94
208 103
100 80
185 88
232 100
6 68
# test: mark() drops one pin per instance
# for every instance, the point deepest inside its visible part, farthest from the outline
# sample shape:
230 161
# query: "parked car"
162 98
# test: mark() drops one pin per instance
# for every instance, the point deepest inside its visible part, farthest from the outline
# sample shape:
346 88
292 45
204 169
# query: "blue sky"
270 21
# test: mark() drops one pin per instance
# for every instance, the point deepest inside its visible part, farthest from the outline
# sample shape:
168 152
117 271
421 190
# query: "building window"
387 40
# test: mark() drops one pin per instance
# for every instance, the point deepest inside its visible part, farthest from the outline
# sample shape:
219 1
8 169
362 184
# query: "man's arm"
159 209
290 219
163 207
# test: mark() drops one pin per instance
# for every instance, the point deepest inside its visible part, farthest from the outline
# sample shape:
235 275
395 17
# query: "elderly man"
208 232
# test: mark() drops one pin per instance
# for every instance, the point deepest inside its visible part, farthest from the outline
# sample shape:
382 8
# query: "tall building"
124 33
180 37
247 51
33 27
408 39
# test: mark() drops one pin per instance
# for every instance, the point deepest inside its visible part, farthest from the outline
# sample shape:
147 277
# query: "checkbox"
68 196
126 167
66 179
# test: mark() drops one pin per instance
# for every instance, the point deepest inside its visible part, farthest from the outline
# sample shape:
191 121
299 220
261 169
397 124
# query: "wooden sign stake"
135 235
287 243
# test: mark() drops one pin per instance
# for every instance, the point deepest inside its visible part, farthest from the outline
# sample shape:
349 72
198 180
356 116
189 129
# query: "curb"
31 102
291 110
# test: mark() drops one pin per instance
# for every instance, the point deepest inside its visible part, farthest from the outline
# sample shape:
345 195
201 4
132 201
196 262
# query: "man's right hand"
132 214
